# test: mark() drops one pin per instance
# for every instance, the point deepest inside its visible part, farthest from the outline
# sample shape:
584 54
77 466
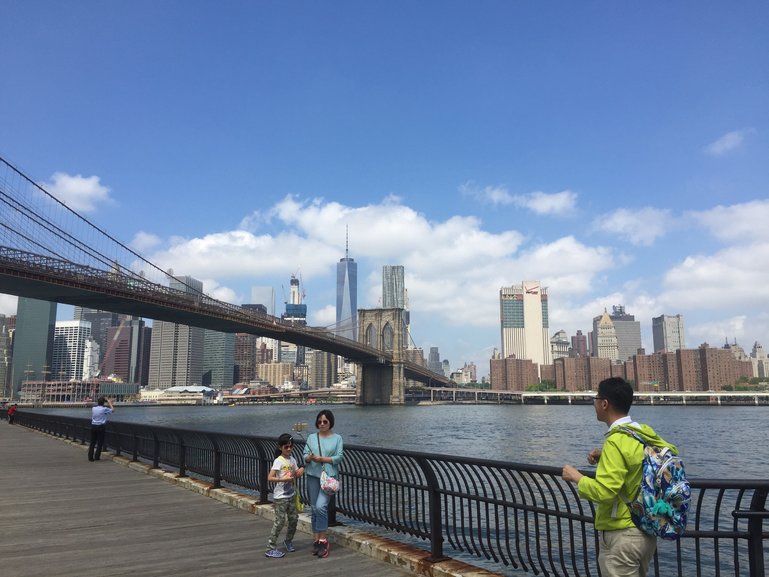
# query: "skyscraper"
524 320
628 332
347 297
606 345
176 352
296 314
579 344
7 327
393 287
32 341
218 359
668 333
128 351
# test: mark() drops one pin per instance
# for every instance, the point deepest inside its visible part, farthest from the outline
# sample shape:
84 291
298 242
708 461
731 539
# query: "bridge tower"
381 383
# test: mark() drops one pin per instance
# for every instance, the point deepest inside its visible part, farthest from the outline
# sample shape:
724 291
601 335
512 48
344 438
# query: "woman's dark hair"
283 440
329 415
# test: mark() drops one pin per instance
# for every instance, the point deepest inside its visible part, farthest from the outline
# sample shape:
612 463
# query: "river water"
716 442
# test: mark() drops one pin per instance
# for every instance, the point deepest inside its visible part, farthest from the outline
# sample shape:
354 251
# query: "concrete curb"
393 552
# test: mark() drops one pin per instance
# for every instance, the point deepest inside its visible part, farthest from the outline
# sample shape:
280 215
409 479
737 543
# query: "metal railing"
516 515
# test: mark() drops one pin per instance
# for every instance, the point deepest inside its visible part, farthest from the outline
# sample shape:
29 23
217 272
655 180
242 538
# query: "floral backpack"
663 499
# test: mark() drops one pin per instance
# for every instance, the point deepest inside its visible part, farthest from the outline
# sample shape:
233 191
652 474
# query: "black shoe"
90 459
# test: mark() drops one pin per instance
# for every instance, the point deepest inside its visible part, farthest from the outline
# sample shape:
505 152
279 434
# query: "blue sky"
617 152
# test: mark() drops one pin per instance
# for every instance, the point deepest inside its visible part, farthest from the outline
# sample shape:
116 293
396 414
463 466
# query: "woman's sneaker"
323 547
315 547
275 554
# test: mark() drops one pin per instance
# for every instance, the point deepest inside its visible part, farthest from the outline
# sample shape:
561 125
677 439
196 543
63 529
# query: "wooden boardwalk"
63 516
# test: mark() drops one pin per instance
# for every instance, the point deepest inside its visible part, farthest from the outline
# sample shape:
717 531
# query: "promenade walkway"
62 516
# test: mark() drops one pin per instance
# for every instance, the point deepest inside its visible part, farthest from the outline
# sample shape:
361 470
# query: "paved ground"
61 515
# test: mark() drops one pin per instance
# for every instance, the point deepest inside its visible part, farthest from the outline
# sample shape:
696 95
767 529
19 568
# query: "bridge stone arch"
383 383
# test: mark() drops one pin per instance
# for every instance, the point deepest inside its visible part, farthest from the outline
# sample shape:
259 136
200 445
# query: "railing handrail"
522 515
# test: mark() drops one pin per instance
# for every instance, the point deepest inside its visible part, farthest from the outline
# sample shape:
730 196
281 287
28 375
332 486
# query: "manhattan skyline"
615 153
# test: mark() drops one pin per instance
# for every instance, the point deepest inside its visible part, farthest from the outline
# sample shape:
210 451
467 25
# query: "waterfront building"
559 345
524 322
579 345
128 352
218 359
347 296
627 330
760 361
7 327
275 373
584 373
606 345
176 351
69 343
512 374
446 367
668 333
32 341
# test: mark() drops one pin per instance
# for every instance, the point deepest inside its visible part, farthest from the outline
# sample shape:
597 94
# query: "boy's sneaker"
323 547
289 546
275 554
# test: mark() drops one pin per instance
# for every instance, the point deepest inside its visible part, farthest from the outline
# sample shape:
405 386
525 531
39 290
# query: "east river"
716 442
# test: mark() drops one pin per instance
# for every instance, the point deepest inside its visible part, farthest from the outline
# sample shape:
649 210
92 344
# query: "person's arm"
109 402
338 454
610 475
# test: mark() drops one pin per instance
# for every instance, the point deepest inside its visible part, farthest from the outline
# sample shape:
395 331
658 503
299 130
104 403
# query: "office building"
128 352
393 287
579 345
176 351
321 369
668 333
101 321
245 358
296 314
628 333
69 343
606 342
7 327
559 345
760 361
434 361
32 342
218 359
347 297
525 323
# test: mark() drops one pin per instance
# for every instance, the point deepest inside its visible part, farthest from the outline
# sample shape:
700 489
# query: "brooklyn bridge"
50 252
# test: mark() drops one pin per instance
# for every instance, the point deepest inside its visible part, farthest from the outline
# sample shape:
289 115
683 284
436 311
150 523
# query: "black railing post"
135 456
217 462
755 529
436 511
182 457
116 434
155 450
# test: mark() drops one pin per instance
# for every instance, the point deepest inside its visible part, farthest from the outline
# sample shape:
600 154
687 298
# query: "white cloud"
80 193
741 223
8 304
728 142
324 317
733 277
144 241
641 227
543 203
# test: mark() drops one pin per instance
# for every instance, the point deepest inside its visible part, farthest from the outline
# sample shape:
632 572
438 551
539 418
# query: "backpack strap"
631 433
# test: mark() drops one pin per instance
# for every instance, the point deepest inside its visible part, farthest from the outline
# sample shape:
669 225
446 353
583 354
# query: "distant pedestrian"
11 414
283 472
322 451
625 551
99 415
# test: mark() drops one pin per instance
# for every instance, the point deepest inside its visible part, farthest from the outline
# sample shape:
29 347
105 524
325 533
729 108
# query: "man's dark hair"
618 392
101 400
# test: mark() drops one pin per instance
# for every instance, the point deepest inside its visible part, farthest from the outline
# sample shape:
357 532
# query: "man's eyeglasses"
597 398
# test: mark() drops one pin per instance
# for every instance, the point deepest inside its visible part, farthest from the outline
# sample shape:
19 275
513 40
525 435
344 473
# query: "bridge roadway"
55 280
62 516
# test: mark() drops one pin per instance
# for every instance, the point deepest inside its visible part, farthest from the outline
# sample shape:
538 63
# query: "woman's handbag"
328 484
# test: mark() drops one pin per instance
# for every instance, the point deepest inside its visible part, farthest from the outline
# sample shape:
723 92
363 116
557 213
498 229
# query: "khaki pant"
626 553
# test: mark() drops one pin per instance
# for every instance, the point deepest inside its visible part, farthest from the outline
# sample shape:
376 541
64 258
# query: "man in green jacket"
625 551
